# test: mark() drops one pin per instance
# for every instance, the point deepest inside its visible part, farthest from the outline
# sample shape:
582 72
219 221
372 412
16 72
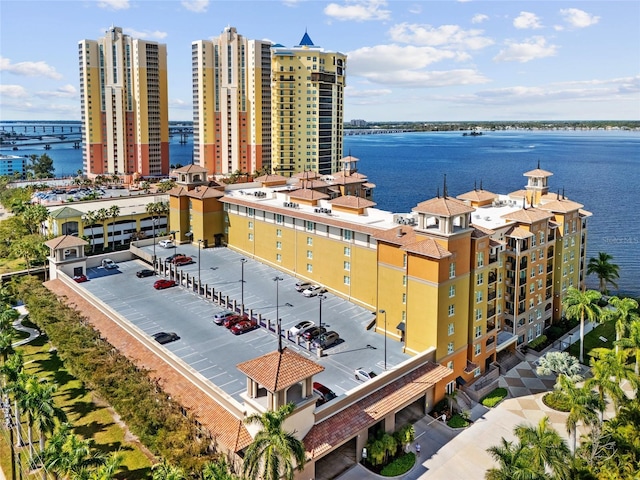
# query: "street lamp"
321 298
175 244
278 280
153 224
242 262
384 312
199 246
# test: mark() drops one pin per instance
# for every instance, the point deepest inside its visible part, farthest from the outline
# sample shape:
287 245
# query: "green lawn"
592 340
91 418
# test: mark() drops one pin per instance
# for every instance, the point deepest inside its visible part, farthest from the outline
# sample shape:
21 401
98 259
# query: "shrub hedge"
494 397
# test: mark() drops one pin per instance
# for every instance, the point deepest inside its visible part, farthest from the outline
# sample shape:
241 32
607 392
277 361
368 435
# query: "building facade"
124 106
307 105
231 103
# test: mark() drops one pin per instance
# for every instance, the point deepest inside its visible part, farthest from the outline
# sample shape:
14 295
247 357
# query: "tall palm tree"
69 456
166 471
101 216
632 342
624 314
6 344
89 219
580 305
114 212
583 403
218 470
107 471
548 449
514 463
274 453
608 369
606 271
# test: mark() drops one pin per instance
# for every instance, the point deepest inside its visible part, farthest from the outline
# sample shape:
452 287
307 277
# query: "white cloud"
198 6
13 91
531 49
527 21
145 34
449 36
351 92
578 18
29 69
114 4
479 18
358 10
66 91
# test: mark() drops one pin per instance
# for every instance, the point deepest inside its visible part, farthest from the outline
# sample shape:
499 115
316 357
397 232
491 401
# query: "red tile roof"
477 195
443 206
205 192
333 431
529 215
352 202
277 371
66 241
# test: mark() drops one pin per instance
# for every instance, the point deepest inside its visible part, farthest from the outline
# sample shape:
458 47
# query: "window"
480 279
452 310
309 268
452 270
450 364
347 280
278 257
450 348
404 298
478 314
530 334
309 241
477 349
480 259
479 296
533 272
540 269
404 280
310 226
452 291
541 238
347 266
538 330
278 232
451 329
250 225
278 245
309 254
251 212
279 218
451 387
478 331
347 235
404 260
477 372
251 237
532 287
533 257
347 251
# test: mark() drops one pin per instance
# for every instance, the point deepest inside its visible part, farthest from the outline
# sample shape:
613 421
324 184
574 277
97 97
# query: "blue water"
600 169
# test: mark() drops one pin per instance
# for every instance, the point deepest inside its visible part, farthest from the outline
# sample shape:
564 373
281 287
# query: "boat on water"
474 133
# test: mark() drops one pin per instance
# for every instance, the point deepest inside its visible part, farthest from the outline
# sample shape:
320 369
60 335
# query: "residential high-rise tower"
124 100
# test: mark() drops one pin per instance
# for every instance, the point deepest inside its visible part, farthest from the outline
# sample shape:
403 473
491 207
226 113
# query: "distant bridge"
375 131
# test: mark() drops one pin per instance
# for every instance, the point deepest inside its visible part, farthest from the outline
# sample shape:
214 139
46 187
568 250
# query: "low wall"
96 260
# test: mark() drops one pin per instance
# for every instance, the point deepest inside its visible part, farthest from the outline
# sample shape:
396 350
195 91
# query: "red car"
233 319
80 278
178 262
244 326
162 284
176 257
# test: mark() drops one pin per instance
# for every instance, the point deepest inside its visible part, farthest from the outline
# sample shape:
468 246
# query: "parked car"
364 375
220 317
164 283
326 340
302 286
109 264
312 332
244 326
233 319
144 273
325 394
299 327
314 290
165 337
180 261
80 278
170 258
166 244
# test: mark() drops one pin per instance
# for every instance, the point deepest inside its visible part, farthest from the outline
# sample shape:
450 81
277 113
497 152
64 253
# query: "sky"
431 61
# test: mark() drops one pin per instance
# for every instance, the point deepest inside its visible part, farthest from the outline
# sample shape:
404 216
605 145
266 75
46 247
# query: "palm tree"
514 462
624 314
548 449
608 369
114 211
606 271
6 344
107 471
89 219
273 451
166 471
101 216
218 470
632 342
579 305
583 403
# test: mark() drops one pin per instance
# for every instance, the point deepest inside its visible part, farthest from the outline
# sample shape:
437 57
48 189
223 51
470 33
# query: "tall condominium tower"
307 104
125 119
231 103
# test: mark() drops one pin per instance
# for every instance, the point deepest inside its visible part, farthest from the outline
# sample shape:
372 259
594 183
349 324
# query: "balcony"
491 296
491 326
491 343
492 278
491 312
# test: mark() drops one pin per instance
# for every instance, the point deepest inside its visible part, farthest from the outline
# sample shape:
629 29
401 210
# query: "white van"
109 264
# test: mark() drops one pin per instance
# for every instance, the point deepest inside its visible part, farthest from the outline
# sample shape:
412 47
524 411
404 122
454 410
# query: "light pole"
175 246
242 262
321 298
153 224
199 247
384 312
278 280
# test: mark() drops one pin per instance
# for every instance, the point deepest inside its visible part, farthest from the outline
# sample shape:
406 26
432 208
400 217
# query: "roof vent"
399 234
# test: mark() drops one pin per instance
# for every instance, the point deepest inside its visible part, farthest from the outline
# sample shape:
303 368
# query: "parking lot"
211 349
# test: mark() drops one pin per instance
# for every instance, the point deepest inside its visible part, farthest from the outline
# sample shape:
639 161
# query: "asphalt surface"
213 350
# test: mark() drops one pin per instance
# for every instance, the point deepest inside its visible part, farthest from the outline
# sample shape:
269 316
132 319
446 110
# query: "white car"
300 327
166 244
314 290
362 374
109 264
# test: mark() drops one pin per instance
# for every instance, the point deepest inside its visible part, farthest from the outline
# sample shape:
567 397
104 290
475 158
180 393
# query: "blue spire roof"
306 41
